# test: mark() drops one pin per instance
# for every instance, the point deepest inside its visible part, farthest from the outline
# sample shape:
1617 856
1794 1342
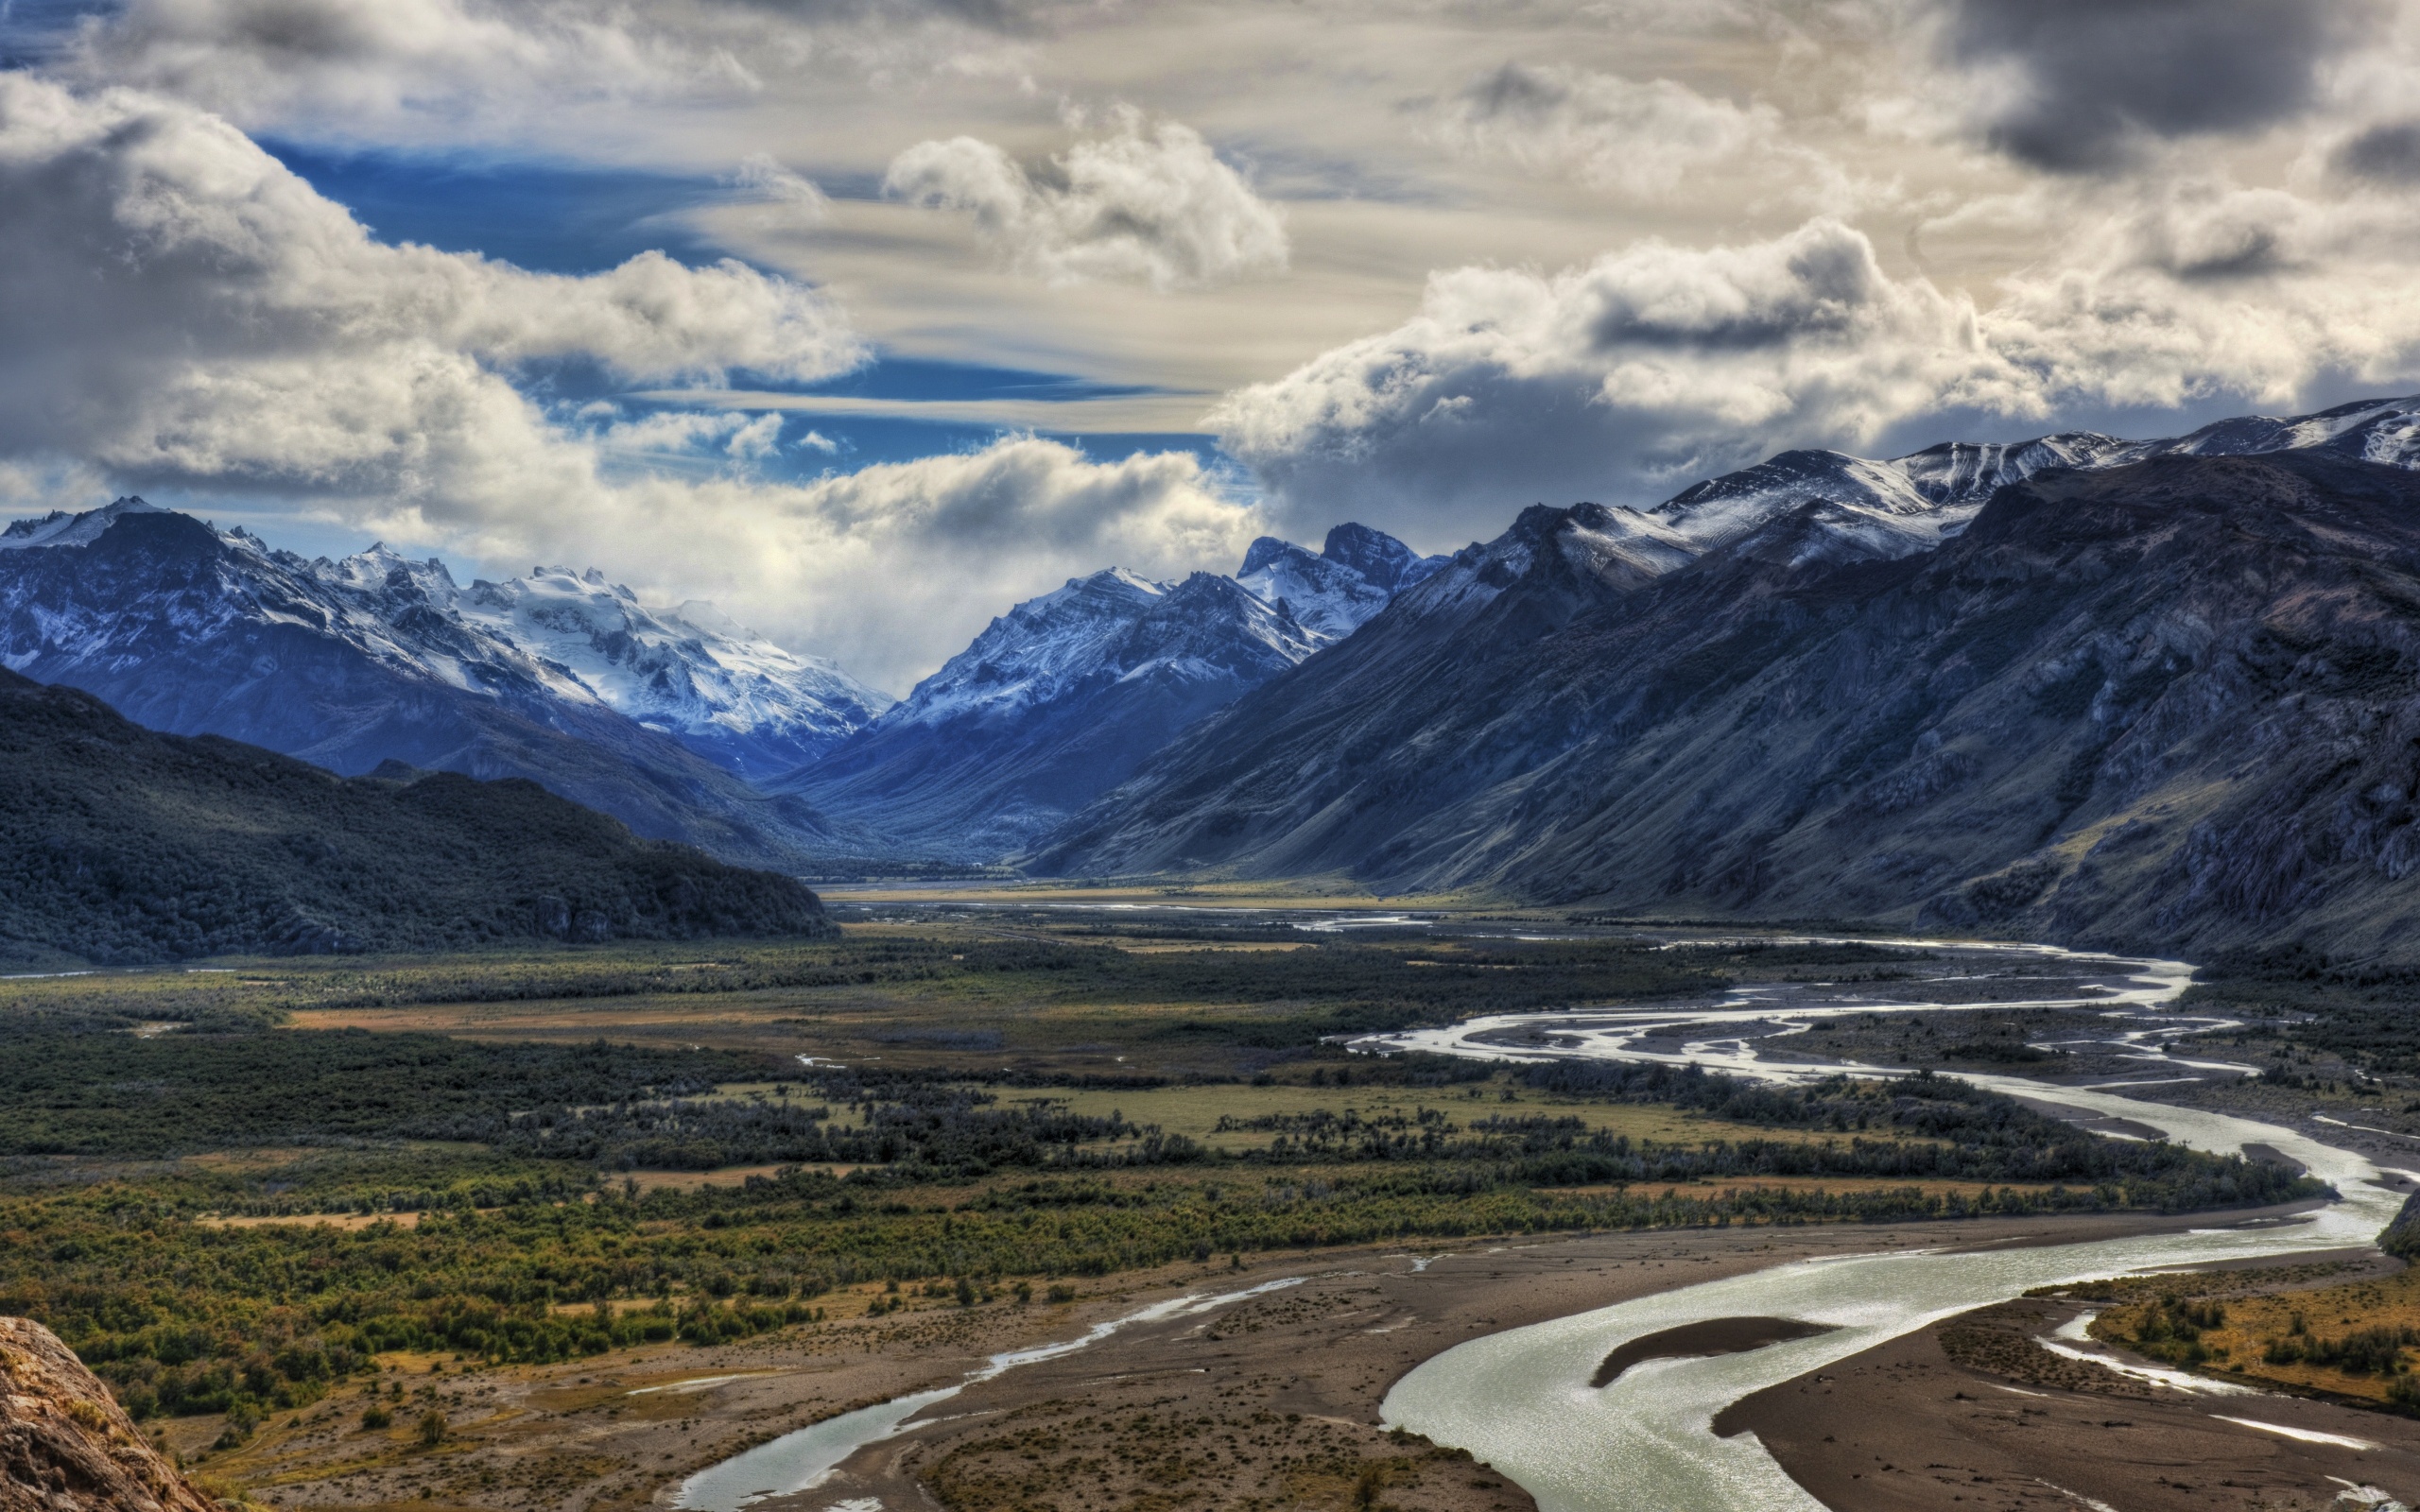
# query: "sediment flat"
1905 1428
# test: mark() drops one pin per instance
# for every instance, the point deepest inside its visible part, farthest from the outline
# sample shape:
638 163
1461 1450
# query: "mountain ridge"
1065 694
348 664
1703 740
122 845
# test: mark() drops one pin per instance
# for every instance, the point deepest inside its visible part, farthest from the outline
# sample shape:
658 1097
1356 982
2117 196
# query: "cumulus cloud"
890 569
1147 202
1640 139
179 304
2080 85
1653 364
182 311
1658 365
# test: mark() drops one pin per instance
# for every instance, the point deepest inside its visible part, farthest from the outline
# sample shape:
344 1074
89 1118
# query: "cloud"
890 569
179 304
1149 202
2385 153
1652 365
2084 85
1641 139
790 198
183 312
1659 365
357 69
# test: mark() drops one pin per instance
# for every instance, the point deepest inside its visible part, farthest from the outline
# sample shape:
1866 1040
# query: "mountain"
1333 594
2163 699
561 680
1902 504
1062 697
725 691
120 845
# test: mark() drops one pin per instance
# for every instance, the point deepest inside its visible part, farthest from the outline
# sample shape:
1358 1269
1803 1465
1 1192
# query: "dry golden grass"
350 1222
2328 1312
1843 1184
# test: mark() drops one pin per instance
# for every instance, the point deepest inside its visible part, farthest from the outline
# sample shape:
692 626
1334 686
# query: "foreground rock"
65 1444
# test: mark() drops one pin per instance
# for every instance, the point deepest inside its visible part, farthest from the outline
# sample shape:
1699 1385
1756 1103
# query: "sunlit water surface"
1521 1401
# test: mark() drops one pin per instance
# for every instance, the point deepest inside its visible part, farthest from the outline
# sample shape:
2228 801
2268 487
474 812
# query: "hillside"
120 845
2169 705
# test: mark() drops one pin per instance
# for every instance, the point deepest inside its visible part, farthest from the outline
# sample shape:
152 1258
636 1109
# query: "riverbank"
1969 1414
1270 1400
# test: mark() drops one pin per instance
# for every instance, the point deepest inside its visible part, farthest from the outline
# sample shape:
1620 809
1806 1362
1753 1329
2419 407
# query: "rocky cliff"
65 1444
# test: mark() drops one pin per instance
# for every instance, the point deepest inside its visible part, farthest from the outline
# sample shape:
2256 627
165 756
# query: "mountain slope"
736 698
1060 699
349 666
118 844
1065 695
2170 703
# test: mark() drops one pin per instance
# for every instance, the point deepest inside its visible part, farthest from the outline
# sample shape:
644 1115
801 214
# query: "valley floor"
1271 1401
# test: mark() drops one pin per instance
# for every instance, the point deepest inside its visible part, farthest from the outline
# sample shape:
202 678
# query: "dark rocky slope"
2172 704
118 844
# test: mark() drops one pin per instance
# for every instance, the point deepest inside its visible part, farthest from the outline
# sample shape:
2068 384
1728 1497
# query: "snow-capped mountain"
1895 506
2150 695
1060 699
374 658
695 674
1333 594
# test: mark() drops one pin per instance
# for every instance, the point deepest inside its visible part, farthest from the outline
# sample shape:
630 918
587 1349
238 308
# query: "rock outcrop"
66 1445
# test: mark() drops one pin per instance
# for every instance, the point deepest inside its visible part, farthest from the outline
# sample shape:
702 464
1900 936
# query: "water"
1521 1400
799 1461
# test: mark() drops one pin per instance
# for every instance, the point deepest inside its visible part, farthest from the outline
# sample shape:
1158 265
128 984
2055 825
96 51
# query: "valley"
826 1174
1253 1028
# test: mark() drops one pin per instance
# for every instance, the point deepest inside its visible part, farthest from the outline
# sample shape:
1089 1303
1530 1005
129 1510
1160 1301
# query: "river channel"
1522 1400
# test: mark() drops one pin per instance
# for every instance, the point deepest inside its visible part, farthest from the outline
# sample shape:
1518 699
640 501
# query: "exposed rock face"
2173 704
65 1444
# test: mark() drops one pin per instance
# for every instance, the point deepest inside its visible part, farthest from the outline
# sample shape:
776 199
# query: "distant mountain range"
1061 698
2079 687
2151 693
119 845
560 679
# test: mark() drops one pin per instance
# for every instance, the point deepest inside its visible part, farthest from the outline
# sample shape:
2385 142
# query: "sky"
868 318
